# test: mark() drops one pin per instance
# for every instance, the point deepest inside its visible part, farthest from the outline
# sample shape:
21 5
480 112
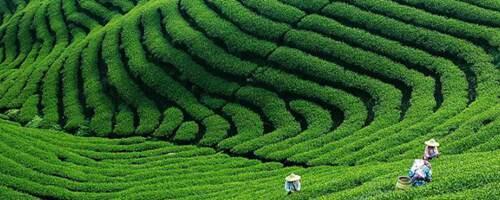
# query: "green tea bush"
29 109
247 20
343 93
124 118
309 6
275 10
172 118
187 132
248 125
216 130
96 99
494 5
181 33
454 27
73 109
458 10
215 26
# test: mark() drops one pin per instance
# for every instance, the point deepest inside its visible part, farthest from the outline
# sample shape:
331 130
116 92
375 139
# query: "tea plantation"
222 99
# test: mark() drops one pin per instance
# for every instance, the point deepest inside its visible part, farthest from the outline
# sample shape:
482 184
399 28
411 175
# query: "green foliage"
350 88
35 122
73 108
100 103
458 10
124 125
187 132
29 109
140 165
172 118
216 130
248 125
307 5
275 10
247 20
235 41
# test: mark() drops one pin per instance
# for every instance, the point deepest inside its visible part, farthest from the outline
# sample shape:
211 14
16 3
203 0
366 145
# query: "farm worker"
431 149
420 172
292 183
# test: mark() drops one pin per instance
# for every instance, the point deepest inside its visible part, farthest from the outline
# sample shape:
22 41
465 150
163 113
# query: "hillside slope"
313 85
55 165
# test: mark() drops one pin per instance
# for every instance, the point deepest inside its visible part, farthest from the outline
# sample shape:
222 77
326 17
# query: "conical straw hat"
432 143
292 177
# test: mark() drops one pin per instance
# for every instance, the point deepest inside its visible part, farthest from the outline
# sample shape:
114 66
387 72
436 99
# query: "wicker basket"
404 183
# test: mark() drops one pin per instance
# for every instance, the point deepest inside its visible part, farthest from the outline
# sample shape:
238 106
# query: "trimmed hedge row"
10 98
447 135
95 97
124 121
249 125
307 5
161 48
191 163
124 5
154 77
50 90
196 43
216 126
275 10
189 10
97 9
9 39
467 142
418 17
490 145
50 86
458 10
25 40
483 192
489 4
141 68
99 179
453 81
216 27
245 19
146 109
435 41
42 32
24 51
209 174
172 118
73 107
221 35
429 121
29 109
187 132
318 122
274 109
216 130
421 101
73 15
353 109
386 96
214 103
11 194
388 106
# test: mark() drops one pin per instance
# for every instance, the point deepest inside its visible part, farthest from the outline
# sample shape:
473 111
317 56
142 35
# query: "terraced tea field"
221 99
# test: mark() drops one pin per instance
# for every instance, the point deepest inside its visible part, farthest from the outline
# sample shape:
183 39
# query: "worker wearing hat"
292 183
431 149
